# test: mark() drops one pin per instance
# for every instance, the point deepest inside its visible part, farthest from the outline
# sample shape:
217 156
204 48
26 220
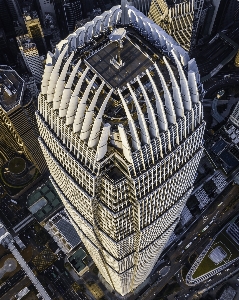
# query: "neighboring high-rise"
11 17
142 5
45 7
121 126
224 13
179 18
11 25
35 31
18 128
67 13
31 57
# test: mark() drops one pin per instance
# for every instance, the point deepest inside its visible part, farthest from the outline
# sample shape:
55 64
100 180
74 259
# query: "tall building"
18 128
67 13
45 7
179 18
35 32
225 12
11 25
142 5
31 57
11 17
121 126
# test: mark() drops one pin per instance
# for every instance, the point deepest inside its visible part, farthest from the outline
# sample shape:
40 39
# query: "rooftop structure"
218 255
77 261
11 88
63 232
228 294
44 201
233 231
134 61
121 128
234 117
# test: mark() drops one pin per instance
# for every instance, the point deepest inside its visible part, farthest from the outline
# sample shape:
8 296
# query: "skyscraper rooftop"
121 128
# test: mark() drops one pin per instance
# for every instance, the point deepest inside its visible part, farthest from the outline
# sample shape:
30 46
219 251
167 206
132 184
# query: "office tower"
16 13
142 5
10 17
18 128
225 13
121 128
67 13
35 32
180 19
11 24
31 57
46 7
73 13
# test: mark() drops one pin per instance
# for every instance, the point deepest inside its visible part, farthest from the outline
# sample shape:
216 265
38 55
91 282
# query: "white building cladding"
122 139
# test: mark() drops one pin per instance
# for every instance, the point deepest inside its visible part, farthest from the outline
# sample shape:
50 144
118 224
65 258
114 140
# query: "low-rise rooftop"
77 260
44 201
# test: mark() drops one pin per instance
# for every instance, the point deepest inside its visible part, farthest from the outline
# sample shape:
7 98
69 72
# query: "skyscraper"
18 130
31 57
67 13
179 18
34 30
121 128
11 24
225 13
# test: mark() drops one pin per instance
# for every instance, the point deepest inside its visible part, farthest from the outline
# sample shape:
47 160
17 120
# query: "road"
25 282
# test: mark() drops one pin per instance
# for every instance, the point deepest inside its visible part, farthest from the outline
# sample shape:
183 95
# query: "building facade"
178 18
31 57
68 12
121 127
35 31
18 128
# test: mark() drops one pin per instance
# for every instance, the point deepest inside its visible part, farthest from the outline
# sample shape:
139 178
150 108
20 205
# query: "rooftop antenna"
117 36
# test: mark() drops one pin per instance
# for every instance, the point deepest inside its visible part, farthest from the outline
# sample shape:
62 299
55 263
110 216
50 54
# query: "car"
188 245
205 228
195 238
220 93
